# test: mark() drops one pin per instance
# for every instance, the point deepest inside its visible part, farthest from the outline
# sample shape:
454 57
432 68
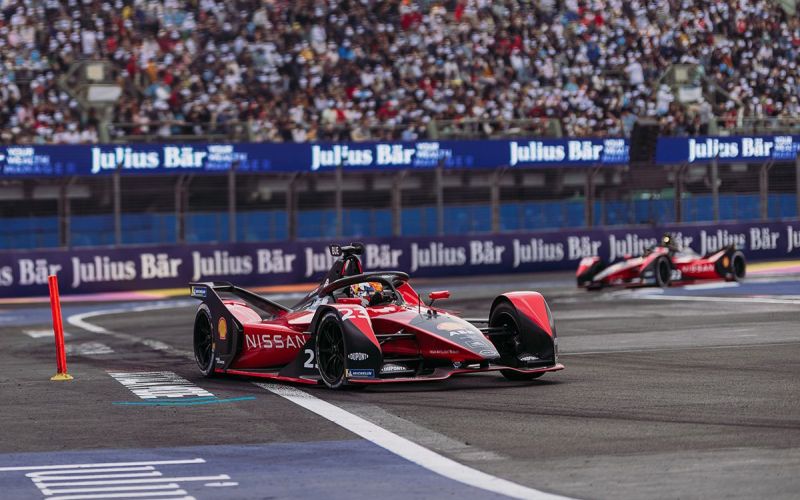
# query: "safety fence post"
58 330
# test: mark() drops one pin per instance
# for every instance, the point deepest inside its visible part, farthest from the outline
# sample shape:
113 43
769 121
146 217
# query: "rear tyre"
204 343
738 266
663 271
330 351
509 346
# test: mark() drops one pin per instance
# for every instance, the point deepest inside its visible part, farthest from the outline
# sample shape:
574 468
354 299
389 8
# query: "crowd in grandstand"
283 70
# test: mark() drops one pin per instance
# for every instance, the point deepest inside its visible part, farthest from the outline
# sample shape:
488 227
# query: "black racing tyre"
330 351
204 342
663 271
738 266
509 346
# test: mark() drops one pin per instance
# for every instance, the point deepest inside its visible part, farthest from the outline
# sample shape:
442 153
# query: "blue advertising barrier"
24 273
90 160
750 149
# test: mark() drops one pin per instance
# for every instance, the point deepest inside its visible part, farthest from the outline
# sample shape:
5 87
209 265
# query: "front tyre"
738 266
509 346
330 351
663 271
204 342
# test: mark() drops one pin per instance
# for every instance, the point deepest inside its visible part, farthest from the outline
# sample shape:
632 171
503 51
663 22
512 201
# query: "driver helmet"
365 290
668 241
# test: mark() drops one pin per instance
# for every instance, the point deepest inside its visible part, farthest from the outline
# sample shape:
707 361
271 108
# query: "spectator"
368 69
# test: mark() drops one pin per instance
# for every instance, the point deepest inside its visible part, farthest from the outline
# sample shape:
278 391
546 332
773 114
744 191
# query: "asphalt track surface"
690 393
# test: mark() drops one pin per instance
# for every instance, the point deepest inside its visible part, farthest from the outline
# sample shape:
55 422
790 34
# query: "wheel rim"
509 346
203 342
330 346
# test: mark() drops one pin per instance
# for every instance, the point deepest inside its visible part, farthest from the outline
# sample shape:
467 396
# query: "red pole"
58 330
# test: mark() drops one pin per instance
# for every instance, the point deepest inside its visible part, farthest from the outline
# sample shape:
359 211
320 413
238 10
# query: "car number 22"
310 361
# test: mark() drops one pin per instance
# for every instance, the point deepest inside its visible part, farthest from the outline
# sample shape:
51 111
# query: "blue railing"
272 225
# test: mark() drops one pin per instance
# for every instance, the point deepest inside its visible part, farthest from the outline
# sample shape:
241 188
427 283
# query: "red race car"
663 265
359 328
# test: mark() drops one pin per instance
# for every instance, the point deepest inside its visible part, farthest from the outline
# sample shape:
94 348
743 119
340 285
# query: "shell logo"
222 328
449 326
726 261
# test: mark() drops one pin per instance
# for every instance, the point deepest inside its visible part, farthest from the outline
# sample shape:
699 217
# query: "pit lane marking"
407 449
115 479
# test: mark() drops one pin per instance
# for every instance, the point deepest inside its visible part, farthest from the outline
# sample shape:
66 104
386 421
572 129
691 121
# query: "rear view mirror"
434 296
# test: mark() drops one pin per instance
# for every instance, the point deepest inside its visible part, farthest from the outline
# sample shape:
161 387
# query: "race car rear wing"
228 332
227 290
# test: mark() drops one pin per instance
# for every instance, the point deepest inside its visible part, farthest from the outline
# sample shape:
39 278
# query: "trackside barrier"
23 273
58 330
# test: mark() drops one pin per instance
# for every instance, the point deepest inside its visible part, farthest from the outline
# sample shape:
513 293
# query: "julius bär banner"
24 273
139 159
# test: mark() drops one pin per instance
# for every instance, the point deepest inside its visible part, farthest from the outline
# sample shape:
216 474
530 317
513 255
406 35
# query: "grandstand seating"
304 71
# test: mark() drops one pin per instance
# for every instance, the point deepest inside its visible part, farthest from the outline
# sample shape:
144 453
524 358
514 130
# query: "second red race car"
663 265
358 328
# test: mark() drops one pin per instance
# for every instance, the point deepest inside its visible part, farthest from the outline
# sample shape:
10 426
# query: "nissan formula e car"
663 265
360 328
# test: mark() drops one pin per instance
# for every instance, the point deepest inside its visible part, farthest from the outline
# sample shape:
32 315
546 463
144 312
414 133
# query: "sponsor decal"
274 341
101 268
382 256
358 356
528 359
222 328
443 351
437 254
274 261
449 326
477 343
199 291
697 268
793 237
394 368
488 352
220 263
711 241
361 373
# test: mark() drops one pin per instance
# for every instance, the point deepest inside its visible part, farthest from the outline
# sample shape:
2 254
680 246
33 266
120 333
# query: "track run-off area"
679 393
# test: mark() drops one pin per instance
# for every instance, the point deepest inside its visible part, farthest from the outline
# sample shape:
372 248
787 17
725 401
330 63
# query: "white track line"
409 450
79 321
742 300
